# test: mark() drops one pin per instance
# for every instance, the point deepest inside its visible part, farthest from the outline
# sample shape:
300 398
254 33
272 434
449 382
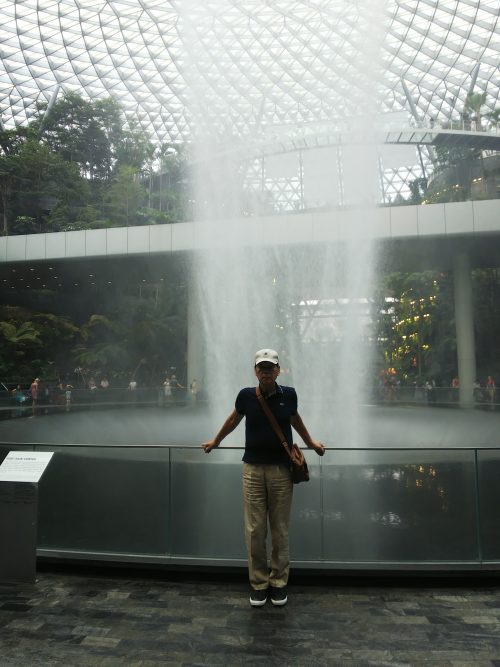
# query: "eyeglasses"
266 367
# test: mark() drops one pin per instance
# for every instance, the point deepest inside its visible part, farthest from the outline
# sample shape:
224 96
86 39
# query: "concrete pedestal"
18 526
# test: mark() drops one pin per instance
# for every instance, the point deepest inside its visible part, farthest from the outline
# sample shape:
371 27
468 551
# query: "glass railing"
363 508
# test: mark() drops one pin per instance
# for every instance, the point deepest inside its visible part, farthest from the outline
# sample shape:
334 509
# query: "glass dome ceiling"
259 63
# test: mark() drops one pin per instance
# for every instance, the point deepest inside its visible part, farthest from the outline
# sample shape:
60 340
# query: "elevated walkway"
469 221
327 135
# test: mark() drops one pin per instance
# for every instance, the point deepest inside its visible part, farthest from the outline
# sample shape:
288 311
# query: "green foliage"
81 166
486 296
32 342
146 329
82 132
19 335
474 102
458 166
124 198
493 117
32 181
418 190
101 355
415 328
414 325
134 149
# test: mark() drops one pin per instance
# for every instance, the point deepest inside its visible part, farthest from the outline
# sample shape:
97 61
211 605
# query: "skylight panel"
290 51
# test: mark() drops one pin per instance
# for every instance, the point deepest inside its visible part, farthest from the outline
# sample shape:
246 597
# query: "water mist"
308 301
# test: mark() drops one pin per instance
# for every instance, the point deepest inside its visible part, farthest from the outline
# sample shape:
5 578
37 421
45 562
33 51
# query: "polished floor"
76 617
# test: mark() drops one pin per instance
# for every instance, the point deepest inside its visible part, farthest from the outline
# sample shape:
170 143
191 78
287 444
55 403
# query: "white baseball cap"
267 355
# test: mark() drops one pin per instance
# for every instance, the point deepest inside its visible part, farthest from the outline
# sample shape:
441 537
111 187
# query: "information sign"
24 466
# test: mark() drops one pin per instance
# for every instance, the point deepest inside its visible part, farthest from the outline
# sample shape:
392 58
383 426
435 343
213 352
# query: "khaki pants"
267 494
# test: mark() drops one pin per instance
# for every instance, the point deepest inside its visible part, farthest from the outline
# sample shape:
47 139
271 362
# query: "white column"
464 326
195 356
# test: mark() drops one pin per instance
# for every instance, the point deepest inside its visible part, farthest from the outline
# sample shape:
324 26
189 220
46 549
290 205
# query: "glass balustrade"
363 508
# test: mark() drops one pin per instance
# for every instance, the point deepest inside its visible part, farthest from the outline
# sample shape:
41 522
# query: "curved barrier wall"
362 509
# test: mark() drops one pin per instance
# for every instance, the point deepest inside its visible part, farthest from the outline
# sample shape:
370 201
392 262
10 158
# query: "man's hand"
208 446
318 447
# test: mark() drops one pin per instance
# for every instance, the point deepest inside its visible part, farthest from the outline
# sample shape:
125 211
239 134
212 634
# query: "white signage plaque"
24 466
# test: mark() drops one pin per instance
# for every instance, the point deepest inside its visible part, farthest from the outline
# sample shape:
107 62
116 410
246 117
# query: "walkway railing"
363 508
84 399
57 401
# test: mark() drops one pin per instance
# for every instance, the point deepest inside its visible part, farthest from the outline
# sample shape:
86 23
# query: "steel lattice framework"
260 60
257 64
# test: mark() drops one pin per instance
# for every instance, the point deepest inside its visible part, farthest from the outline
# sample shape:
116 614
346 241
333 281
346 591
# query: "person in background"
477 390
167 391
67 396
92 392
34 391
193 390
132 390
490 391
267 481
19 399
176 387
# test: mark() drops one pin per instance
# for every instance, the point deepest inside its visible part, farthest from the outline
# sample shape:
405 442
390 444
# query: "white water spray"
309 300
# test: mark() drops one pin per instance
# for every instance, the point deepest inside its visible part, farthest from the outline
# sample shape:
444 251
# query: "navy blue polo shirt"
262 445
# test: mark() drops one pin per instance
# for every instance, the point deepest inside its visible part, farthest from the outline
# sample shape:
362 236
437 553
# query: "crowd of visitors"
83 390
41 397
391 389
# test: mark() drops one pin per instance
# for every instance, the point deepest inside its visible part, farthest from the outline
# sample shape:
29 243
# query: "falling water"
308 300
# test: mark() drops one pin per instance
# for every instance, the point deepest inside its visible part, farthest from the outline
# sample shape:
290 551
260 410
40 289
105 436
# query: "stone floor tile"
71 619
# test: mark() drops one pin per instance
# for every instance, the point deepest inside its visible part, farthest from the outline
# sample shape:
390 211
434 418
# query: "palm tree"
16 342
474 102
493 117
19 335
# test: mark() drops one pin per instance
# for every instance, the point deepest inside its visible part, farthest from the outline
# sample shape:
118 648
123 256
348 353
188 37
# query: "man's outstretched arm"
300 427
227 427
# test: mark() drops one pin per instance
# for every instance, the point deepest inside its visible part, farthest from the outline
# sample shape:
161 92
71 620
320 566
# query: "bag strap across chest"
272 420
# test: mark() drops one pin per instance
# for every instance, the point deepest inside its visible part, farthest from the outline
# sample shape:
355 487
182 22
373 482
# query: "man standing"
34 395
267 483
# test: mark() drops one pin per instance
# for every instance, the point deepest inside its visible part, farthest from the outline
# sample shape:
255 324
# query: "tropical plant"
413 323
19 335
418 190
33 180
493 117
474 102
124 197
82 132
